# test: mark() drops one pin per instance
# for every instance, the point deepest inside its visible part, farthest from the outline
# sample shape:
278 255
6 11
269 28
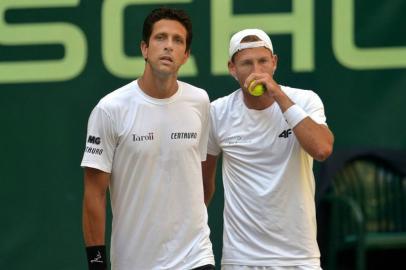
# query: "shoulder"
226 101
190 90
298 93
118 98
227 106
301 96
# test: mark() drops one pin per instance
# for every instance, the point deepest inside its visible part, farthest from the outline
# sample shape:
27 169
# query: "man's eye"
179 40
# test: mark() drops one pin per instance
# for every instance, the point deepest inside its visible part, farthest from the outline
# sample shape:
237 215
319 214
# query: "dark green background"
43 125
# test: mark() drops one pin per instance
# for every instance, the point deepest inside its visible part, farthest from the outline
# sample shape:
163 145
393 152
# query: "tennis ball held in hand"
256 91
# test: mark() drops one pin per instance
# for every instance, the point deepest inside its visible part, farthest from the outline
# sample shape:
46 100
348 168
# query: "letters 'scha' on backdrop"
58 58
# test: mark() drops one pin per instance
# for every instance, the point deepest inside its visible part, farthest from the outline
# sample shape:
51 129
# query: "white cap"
236 45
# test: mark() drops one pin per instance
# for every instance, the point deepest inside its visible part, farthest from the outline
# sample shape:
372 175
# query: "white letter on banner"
69 36
353 57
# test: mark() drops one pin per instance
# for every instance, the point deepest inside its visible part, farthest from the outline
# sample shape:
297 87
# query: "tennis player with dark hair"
268 135
145 144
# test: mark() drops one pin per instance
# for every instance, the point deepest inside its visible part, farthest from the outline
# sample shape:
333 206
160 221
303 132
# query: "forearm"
94 219
282 99
209 188
208 193
209 178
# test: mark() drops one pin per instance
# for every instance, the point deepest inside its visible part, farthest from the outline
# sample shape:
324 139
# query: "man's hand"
273 89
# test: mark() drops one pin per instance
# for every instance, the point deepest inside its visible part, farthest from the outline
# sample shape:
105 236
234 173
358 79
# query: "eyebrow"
160 34
254 59
168 34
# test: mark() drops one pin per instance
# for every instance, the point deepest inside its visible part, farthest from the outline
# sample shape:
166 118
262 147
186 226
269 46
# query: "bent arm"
316 139
209 177
96 183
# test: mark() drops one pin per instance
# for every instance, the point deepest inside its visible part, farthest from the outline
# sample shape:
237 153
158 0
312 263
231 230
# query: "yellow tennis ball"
256 91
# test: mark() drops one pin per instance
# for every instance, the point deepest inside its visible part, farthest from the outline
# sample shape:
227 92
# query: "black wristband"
96 257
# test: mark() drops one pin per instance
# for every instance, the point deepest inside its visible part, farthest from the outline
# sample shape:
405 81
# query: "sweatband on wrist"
294 114
96 257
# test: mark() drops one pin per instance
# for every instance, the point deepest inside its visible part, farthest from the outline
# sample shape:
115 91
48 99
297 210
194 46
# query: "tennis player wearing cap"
268 143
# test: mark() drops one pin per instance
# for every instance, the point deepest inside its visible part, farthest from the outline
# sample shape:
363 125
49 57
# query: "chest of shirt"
157 130
264 135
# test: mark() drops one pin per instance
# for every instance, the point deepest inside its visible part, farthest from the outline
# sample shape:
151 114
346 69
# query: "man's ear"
187 54
231 70
275 57
144 49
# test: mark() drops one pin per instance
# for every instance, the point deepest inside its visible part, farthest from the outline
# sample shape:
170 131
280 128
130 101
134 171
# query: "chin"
166 72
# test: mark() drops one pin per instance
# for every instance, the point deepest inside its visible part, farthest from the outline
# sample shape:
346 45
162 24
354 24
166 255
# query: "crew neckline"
254 111
159 101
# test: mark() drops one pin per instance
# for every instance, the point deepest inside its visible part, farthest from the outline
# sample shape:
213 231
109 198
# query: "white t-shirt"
269 210
153 149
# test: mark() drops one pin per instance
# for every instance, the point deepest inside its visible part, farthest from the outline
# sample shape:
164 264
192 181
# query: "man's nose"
256 67
169 45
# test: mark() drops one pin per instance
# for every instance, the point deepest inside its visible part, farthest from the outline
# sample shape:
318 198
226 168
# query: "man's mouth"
166 58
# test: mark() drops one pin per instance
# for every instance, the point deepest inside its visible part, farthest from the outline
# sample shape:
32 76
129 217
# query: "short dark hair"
170 14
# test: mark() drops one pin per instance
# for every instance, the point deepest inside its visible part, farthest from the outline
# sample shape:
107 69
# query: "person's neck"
158 86
257 103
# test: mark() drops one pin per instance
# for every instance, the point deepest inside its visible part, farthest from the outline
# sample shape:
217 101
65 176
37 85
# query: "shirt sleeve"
315 109
100 141
213 147
204 132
